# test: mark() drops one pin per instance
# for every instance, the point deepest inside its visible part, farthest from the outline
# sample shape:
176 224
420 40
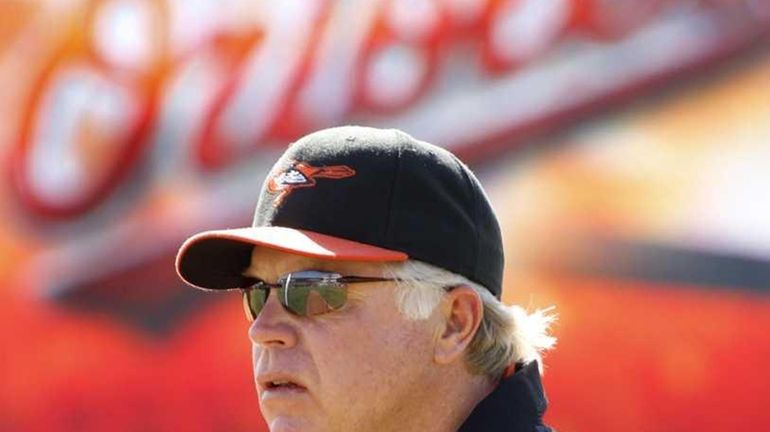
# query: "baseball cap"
356 193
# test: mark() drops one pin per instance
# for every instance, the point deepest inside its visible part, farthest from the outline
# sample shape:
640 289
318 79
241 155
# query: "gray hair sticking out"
507 334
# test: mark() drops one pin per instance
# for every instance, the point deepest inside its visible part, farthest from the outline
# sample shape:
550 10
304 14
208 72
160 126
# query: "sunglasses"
304 293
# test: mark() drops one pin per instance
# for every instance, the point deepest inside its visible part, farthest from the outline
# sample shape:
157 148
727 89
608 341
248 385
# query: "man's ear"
462 311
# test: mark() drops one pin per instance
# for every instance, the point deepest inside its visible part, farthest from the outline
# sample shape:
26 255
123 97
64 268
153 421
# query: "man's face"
364 367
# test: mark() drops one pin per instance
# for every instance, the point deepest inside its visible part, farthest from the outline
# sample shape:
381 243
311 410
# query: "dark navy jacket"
516 405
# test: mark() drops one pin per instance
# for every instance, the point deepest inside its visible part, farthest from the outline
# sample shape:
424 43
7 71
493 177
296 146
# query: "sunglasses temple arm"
362 279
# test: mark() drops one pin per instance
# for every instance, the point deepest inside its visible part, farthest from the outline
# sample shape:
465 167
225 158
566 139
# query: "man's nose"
274 326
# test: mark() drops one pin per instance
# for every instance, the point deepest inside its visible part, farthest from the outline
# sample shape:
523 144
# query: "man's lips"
279 383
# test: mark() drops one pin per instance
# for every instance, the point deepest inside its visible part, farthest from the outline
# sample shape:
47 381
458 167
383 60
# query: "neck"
448 403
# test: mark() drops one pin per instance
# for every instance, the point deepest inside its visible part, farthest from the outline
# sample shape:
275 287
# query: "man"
371 277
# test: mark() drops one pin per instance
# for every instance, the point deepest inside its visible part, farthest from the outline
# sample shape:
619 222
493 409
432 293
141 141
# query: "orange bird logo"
301 175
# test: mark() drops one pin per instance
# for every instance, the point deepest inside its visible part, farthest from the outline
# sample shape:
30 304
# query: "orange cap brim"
216 259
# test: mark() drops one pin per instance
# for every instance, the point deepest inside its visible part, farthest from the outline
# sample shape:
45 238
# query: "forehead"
269 264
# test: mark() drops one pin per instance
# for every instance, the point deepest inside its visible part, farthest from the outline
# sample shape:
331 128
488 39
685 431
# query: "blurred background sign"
625 144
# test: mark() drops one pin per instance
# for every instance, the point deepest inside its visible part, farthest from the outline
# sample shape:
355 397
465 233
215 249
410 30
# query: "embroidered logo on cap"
302 175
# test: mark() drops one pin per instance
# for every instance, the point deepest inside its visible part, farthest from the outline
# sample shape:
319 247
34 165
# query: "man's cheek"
352 367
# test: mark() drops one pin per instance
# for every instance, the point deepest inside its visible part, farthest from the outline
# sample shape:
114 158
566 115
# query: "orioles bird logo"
302 175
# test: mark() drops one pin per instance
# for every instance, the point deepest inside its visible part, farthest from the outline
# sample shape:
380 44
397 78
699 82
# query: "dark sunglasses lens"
253 301
335 295
313 296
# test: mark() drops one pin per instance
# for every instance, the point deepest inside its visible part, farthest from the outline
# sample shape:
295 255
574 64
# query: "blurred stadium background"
625 145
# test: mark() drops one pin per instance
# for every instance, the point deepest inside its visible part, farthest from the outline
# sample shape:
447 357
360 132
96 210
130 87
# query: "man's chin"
289 423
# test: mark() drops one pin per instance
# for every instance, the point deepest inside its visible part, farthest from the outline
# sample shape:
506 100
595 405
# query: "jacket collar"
517 404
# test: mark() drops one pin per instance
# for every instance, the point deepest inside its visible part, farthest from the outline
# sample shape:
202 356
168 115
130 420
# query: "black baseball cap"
356 193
